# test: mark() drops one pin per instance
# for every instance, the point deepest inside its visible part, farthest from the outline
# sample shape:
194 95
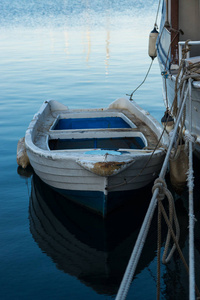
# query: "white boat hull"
195 107
169 52
98 172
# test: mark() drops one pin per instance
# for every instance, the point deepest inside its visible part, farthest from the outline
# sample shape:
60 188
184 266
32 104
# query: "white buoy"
152 43
22 157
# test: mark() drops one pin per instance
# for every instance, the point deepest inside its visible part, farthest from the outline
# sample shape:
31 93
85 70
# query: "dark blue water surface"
82 53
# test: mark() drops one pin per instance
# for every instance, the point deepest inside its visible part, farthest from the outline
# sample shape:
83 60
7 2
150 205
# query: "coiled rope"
176 245
163 191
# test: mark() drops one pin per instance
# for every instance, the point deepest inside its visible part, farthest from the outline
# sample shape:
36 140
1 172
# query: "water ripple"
59 13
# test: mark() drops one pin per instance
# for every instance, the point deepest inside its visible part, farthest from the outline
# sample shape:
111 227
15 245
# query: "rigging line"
152 58
141 82
166 97
148 69
157 13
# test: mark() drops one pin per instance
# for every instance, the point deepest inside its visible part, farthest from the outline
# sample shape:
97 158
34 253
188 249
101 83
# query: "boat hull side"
67 174
98 202
90 190
195 112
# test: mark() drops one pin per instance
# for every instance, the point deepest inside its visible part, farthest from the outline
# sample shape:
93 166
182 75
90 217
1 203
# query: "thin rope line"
152 58
141 82
157 13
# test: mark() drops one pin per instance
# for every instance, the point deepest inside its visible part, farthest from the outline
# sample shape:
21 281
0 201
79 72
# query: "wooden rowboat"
89 155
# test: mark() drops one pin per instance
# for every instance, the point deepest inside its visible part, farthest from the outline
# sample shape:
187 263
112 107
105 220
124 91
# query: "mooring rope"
186 74
192 70
191 209
159 242
131 95
178 85
164 192
132 264
177 246
158 196
175 154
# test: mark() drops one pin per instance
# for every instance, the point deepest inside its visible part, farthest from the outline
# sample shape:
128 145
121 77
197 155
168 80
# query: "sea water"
83 53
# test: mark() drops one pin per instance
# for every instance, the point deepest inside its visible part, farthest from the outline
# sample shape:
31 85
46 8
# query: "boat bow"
107 164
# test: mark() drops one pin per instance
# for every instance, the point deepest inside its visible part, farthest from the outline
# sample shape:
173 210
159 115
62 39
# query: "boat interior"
84 131
105 130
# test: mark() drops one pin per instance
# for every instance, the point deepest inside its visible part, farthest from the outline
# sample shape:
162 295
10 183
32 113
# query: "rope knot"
186 49
160 184
190 137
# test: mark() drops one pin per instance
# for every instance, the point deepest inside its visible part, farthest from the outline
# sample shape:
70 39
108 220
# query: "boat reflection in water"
94 250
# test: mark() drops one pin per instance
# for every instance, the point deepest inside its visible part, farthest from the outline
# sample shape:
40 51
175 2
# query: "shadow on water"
94 250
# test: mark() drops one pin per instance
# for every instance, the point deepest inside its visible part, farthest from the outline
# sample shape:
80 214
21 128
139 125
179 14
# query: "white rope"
164 192
189 137
130 270
191 208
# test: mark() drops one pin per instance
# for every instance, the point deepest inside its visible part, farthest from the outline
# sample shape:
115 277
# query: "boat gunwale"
124 103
